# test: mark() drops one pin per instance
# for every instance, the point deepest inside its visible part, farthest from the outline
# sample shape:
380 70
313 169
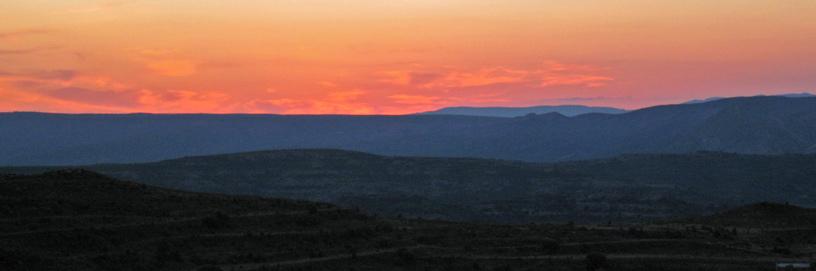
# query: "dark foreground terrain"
80 220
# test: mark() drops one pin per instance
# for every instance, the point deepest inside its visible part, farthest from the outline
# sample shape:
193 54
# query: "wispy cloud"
338 102
102 6
26 51
25 32
547 74
41 75
74 91
166 62
93 96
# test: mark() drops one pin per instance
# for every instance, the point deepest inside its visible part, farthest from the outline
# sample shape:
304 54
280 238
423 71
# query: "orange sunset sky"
395 57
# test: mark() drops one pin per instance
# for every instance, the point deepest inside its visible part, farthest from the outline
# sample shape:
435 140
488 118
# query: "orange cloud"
359 57
25 51
24 32
548 74
572 80
395 91
181 101
166 62
410 99
54 89
172 67
480 77
340 102
69 87
451 78
560 74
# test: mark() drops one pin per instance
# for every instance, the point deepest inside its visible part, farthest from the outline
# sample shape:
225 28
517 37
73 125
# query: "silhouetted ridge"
750 125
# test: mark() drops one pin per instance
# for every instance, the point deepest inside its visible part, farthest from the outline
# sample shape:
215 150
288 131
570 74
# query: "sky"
396 56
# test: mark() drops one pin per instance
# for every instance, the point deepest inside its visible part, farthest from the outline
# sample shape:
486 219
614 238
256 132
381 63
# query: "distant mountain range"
751 125
626 188
566 110
509 112
789 95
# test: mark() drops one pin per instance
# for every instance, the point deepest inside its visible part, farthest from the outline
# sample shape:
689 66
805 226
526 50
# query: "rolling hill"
625 188
81 220
751 125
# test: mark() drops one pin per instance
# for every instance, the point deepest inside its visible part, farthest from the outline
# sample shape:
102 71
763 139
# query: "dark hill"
64 192
79 220
626 188
751 125
450 188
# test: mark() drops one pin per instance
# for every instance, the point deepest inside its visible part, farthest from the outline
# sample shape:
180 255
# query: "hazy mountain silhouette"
788 95
758 125
509 112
